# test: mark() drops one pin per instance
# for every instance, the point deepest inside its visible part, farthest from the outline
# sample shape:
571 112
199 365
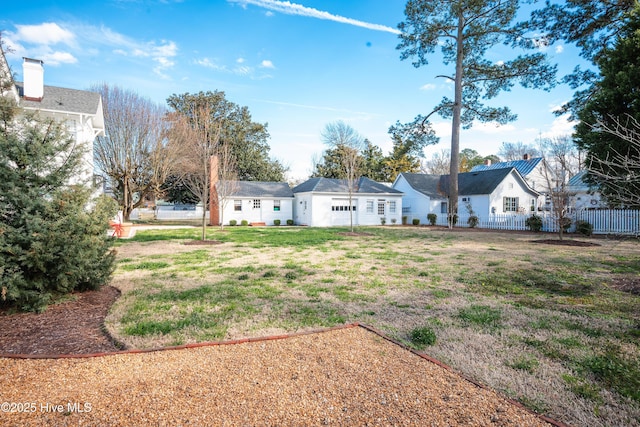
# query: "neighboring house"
79 110
533 169
324 202
257 202
499 191
582 195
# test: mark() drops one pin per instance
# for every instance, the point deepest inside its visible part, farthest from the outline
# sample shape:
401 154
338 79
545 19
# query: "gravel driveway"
344 376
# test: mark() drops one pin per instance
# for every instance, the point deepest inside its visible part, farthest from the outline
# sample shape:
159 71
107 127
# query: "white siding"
265 213
317 210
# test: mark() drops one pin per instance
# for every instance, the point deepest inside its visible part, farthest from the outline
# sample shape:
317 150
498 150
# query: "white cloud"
428 86
289 8
240 60
559 127
559 49
48 33
57 58
267 64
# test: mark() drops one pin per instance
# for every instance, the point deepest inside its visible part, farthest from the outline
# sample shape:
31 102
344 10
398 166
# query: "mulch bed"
70 327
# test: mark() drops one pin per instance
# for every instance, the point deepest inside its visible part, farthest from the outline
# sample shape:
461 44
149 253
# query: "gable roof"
262 189
332 185
62 100
469 183
524 167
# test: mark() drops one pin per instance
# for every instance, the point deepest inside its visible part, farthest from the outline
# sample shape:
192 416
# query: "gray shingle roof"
262 189
524 167
63 100
469 183
331 185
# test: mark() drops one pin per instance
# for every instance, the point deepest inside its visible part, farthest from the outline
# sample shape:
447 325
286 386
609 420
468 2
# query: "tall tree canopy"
247 139
592 25
615 101
465 31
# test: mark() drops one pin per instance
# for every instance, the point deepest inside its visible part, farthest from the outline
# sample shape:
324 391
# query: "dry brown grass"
556 305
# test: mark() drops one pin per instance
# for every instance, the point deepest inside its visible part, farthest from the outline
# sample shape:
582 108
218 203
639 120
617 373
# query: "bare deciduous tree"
438 164
197 131
510 151
341 135
620 170
562 160
135 154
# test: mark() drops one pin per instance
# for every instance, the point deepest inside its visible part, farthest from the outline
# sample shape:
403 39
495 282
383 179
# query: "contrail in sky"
298 9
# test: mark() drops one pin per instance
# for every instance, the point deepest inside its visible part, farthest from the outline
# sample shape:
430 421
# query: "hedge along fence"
604 221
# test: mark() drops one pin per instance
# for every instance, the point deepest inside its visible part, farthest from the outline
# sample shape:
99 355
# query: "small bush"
415 221
289 222
565 223
383 220
422 337
454 219
432 218
584 228
233 222
405 220
276 222
473 221
534 223
244 223
393 221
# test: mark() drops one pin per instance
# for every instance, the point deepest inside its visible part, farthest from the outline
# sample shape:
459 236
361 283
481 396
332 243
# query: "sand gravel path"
347 376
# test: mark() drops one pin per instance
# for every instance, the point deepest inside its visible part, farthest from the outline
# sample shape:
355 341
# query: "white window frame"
237 205
510 204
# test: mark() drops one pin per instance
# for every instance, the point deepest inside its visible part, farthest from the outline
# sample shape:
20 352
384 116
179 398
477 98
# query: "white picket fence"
610 221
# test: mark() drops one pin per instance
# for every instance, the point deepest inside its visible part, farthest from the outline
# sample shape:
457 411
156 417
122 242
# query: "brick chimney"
525 157
33 75
214 208
487 162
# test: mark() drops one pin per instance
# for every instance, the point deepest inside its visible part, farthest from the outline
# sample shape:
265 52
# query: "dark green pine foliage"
616 99
50 242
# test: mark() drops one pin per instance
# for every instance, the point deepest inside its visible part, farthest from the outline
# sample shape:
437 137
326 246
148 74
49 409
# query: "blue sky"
297 65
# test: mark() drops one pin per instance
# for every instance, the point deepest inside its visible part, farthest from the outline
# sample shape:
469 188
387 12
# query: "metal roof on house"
469 183
524 167
331 185
62 100
578 183
262 189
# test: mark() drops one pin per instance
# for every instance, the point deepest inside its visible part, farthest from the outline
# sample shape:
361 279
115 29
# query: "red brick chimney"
487 162
214 208
525 156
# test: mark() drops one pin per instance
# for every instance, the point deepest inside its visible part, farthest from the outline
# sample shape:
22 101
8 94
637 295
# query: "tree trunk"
455 128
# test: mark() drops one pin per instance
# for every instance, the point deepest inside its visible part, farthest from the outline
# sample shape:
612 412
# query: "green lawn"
552 326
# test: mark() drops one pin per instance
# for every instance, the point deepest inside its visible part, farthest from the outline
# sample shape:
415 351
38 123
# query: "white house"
79 110
499 191
323 202
582 195
533 169
257 202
